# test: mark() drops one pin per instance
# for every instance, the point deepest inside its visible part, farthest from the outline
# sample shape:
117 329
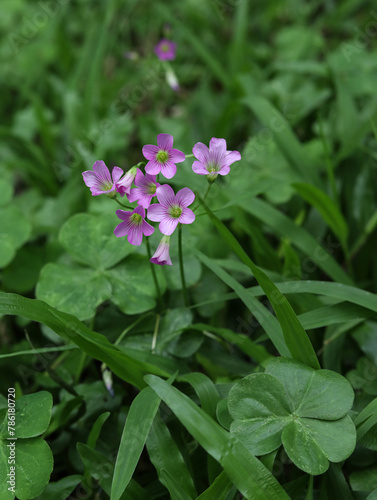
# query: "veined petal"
139 210
156 212
145 200
165 195
122 229
199 168
102 172
135 194
153 167
177 156
231 157
116 174
187 216
165 142
123 214
201 152
185 197
150 151
147 228
139 178
135 235
224 170
90 178
167 225
217 146
168 169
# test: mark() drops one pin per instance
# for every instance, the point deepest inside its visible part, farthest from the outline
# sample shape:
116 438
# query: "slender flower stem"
208 188
161 302
120 203
181 268
205 195
189 156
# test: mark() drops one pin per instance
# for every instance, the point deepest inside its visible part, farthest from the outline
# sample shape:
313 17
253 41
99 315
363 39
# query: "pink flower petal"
187 216
165 142
135 235
168 225
185 197
122 229
145 201
139 178
147 228
153 167
231 157
150 151
165 195
201 152
102 172
199 168
168 169
123 215
149 179
135 194
177 156
161 255
217 146
91 179
224 170
116 174
139 210
156 212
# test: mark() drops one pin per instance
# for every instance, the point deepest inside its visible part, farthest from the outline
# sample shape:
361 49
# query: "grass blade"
69 327
166 456
251 477
138 423
252 349
263 315
295 336
305 168
300 238
218 490
327 208
205 389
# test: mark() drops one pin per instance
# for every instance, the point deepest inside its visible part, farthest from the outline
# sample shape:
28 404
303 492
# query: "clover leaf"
79 287
32 455
294 405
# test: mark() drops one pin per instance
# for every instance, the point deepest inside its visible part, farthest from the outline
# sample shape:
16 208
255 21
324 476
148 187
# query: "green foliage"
22 449
301 408
89 240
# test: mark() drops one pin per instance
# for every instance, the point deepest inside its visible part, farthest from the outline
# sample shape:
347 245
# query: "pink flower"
215 160
145 190
99 179
165 50
161 255
172 208
124 186
134 225
162 158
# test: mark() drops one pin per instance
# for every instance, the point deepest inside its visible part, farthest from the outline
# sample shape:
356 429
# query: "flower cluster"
172 208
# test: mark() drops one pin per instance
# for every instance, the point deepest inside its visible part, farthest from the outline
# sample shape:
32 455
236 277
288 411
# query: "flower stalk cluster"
171 210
